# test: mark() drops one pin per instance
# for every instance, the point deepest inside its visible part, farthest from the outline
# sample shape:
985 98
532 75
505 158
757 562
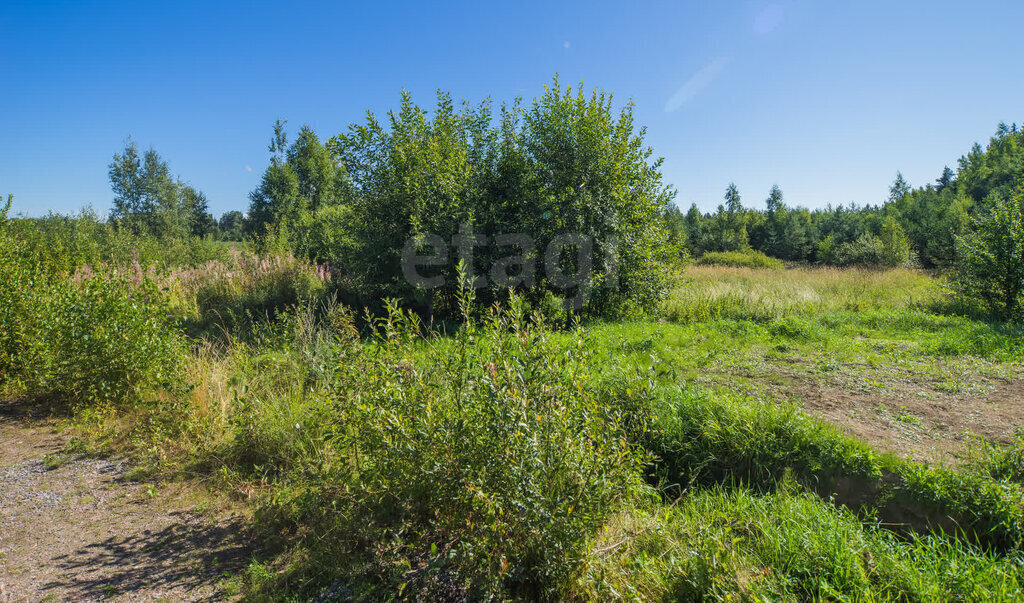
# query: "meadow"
768 433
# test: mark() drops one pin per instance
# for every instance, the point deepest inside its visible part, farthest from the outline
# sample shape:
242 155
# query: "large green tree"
148 200
567 168
232 225
991 256
302 179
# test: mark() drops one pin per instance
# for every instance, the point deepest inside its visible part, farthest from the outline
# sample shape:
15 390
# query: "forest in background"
308 183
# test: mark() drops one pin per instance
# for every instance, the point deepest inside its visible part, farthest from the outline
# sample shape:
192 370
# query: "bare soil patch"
77 529
916 420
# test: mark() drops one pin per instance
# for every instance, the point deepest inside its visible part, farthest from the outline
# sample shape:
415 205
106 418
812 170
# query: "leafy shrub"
328 236
895 244
101 338
109 338
15 280
991 258
104 339
891 249
740 259
479 465
62 244
866 250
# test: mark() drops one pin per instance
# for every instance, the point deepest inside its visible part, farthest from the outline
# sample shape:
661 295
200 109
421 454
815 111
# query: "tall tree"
566 165
773 239
315 170
147 199
991 256
232 225
731 230
899 188
946 179
302 179
125 173
276 199
197 211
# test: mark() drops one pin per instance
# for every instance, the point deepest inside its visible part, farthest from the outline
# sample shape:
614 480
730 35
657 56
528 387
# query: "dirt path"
79 530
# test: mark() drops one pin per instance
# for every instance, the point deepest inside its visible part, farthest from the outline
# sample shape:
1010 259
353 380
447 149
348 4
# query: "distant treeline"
912 227
565 171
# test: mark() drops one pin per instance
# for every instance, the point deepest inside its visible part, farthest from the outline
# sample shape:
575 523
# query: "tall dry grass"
245 287
712 292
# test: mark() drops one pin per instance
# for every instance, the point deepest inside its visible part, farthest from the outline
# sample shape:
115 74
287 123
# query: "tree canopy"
148 200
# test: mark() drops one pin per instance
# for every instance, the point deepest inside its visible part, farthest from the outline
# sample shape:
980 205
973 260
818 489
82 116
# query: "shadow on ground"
33 408
79 529
187 556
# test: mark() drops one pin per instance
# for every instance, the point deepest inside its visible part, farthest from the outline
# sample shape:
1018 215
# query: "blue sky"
828 100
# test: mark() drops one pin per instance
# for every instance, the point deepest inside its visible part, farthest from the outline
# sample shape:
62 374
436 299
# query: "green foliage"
891 248
328 236
566 164
928 218
148 200
932 218
996 169
476 465
895 245
982 509
103 339
64 244
1002 462
705 439
231 226
507 461
500 459
783 232
722 544
238 294
675 223
740 259
991 257
866 250
5 210
301 179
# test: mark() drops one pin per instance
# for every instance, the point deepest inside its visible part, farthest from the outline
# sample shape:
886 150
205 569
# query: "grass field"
799 433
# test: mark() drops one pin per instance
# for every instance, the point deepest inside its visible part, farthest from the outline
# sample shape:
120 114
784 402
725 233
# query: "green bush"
478 464
740 259
105 339
991 258
890 249
64 244
109 338
99 338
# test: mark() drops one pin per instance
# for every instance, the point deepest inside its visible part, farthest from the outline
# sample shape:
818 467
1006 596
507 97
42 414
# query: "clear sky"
826 99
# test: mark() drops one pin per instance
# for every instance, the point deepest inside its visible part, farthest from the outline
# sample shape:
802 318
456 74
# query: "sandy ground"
76 529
